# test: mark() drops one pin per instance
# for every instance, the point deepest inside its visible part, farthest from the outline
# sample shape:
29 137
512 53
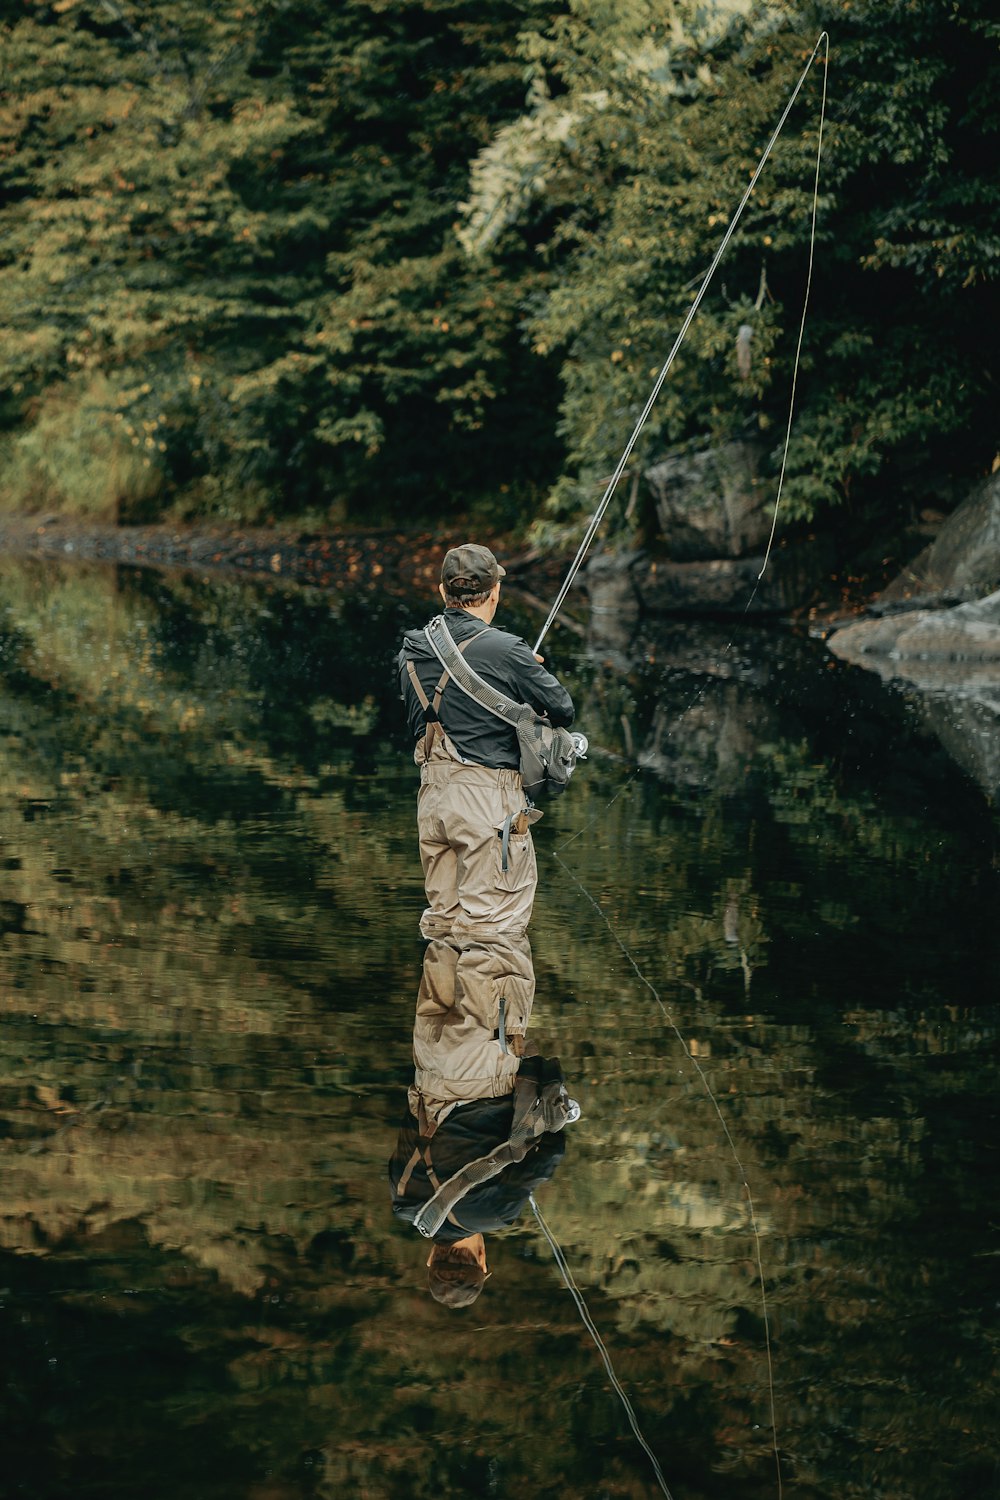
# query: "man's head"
470 577
457 1273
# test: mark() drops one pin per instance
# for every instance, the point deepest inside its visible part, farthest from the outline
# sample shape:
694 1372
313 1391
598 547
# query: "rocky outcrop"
933 646
963 561
626 585
953 657
947 652
712 504
714 512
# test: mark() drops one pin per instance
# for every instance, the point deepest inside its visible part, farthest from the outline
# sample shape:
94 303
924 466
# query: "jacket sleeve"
539 688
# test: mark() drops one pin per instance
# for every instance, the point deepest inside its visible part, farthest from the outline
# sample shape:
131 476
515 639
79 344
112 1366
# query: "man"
477 1101
470 784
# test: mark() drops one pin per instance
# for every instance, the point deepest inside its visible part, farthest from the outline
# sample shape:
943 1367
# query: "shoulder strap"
448 653
448 1194
431 708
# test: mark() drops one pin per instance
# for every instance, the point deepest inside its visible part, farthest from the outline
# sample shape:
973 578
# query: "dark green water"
208 965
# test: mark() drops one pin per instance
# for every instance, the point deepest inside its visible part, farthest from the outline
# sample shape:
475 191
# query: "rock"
953 657
948 646
730 585
712 503
963 561
624 585
610 588
715 514
950 656
722 584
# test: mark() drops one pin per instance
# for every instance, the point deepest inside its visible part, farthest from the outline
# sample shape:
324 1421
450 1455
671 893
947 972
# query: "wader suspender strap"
431 709
422 1153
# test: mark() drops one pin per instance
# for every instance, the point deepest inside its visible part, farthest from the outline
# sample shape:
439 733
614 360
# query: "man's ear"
442 593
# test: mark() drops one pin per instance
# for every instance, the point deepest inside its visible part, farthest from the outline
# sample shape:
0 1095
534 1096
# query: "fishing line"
591 1328
802 320
591 530
598 515
699 694
668 1017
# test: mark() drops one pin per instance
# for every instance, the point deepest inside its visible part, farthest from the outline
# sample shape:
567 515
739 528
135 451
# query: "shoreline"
395 561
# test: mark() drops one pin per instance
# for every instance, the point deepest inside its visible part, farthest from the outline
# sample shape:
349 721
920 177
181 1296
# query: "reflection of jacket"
503 660
420 1163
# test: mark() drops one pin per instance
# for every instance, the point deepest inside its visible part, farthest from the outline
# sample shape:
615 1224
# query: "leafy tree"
230 278
229 265
627 169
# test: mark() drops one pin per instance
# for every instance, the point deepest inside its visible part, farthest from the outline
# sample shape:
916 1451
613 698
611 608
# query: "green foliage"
390 257
81 455
628 167
241 217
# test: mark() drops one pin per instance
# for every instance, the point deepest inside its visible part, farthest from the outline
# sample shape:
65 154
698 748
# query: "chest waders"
436 737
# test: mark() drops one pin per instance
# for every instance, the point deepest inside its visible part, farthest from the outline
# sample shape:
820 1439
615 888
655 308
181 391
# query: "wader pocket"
514 858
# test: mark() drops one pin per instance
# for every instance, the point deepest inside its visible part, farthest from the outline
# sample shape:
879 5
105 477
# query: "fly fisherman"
472 815
484 1121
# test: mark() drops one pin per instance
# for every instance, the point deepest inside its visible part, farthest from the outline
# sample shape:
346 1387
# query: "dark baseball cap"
470 569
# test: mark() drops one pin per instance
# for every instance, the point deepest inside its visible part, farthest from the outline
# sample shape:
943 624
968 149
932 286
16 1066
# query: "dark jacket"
503 660
470 1131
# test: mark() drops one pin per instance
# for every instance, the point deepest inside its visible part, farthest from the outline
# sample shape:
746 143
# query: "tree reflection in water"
207 964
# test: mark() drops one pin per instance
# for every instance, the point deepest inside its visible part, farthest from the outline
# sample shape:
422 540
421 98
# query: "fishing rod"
598 515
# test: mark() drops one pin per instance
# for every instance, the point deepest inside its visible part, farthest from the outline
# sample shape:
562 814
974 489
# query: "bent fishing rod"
598 515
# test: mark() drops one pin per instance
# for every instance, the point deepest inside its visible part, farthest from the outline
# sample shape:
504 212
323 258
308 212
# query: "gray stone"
621 586
941 645
712 503
610 588
729 585
952 657
963 561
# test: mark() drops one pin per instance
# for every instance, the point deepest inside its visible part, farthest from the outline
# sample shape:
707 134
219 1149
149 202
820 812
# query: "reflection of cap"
470 569
454 1279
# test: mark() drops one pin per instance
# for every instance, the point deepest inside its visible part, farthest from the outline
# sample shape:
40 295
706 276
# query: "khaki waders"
473 825
461 815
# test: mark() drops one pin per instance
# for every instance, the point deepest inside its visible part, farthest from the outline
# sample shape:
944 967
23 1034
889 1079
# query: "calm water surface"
208 965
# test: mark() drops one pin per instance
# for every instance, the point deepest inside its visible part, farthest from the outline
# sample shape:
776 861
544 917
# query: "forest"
394 260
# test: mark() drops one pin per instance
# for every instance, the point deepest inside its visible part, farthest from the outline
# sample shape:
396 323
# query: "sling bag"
548 755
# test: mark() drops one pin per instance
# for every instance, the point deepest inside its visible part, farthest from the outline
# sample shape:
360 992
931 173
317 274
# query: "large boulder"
957 649
952 656
715 516
711 503
963 561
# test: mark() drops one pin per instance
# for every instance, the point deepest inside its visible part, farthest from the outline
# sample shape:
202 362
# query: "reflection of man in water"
478 882
483 1126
